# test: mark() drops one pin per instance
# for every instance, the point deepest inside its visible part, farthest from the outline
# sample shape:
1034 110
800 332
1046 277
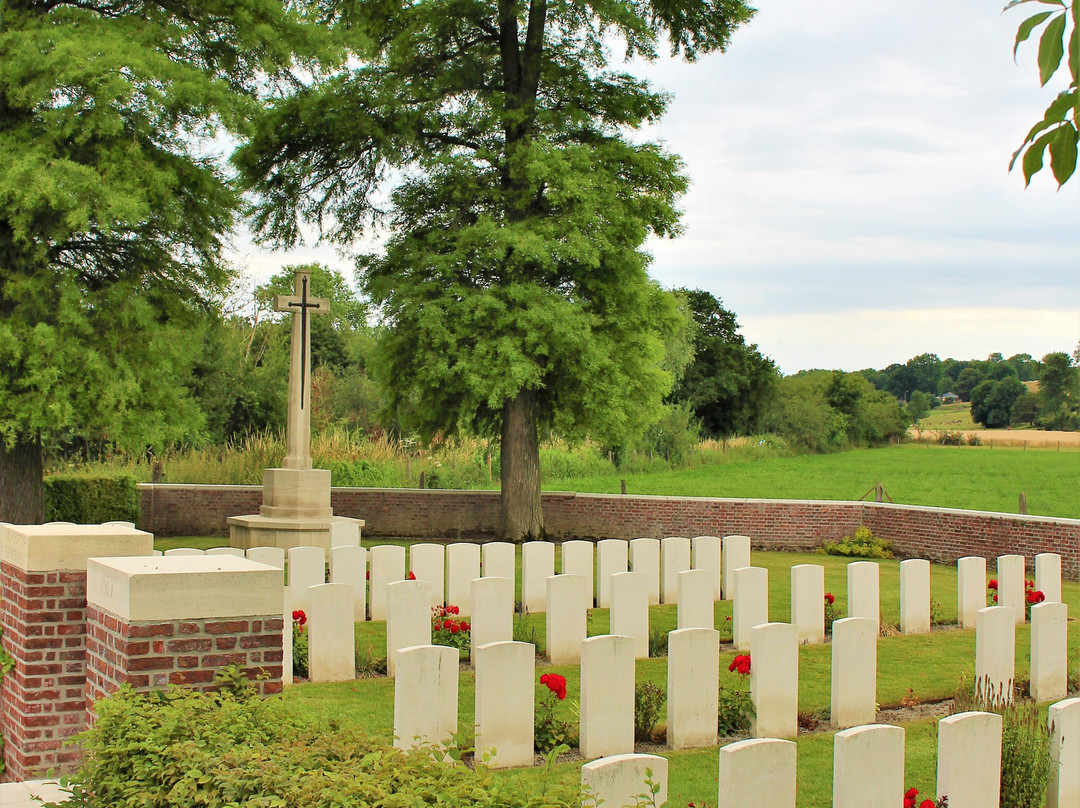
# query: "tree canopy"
490 141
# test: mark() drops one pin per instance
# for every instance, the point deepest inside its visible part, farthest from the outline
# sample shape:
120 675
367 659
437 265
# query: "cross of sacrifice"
298 430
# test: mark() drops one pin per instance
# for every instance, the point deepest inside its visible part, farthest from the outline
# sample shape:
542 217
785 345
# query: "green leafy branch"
1057 131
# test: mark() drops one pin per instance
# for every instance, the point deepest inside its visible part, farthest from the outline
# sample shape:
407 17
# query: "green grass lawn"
922 668
971 477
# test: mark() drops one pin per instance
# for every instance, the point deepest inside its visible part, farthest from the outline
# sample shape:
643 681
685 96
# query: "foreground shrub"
91 500
861 544
179 748
649 700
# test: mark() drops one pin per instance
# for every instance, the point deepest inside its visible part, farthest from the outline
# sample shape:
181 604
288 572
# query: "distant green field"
950 416
978 478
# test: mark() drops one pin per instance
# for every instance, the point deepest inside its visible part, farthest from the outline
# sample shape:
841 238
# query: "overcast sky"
850 199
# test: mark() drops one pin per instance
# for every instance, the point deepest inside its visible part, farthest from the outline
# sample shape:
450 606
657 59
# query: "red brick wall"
942 535
155 654
43 615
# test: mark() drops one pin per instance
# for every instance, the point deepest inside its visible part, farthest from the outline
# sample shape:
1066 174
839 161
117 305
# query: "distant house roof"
949 398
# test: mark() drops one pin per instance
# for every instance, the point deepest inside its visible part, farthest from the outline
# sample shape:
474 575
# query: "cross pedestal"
296 508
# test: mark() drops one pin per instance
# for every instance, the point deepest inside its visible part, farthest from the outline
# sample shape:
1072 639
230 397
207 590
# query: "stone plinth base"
152 622
296 494
255 530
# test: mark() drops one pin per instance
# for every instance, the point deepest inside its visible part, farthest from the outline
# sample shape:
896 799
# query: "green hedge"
90 500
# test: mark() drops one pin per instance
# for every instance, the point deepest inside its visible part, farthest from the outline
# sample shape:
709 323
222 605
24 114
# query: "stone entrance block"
915 596
607 696
674 558
612 557
331 639
408 619
387 564
577 559
774 680
428 563
645 558
696 589
863 591
1049 651
854 672
493 612
158 621
505 703
537 565
1064 721
619 781
750 592
499 560
808 602
735 554
868 766
757 772
693 671
425 696
566 619
970 589
995 651
462 567
1048 576
969 760
630 610
1010 592
43 614
705 552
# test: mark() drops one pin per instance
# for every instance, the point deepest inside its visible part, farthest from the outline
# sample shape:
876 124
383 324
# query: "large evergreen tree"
111 214
512 280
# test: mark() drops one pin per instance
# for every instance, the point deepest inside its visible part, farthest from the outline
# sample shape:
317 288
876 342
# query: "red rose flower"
740 663
299 617
992 584
368 574
909 797
465 626
411 576
454 628
555 683
995 598
1029 584
927 804
830 598
453 609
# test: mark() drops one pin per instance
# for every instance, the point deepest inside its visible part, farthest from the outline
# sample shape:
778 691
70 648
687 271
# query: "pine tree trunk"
521 517
22 498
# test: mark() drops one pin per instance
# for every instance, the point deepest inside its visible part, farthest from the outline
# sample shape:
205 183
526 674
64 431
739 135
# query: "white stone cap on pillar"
183 587
44 548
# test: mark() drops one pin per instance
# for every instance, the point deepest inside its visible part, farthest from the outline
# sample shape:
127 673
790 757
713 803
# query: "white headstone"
914 596
175 551
428 563
863 591
1048 576
623 781
808 602
271 556
1049 651
612 557
734 554
236 552
386 562
462 567
344 533
307 568
286 637
692 702
499 560
705 552
332 641
408 619
970 589
577 559
566 619
348 565
750 592
505 696
969 760
674 558
696 592
645 558
854 672
868 766
630 610
607 696
995 652
493 612
774 679
425 696
537 565
1064 787
759 772
1010 592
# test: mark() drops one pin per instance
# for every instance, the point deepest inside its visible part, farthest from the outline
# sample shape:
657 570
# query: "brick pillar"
43 615
152 622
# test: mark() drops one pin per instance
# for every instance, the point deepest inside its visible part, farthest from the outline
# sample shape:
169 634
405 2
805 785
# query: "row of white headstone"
868 767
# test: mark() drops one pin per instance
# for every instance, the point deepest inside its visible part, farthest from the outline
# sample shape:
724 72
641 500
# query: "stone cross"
298 430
